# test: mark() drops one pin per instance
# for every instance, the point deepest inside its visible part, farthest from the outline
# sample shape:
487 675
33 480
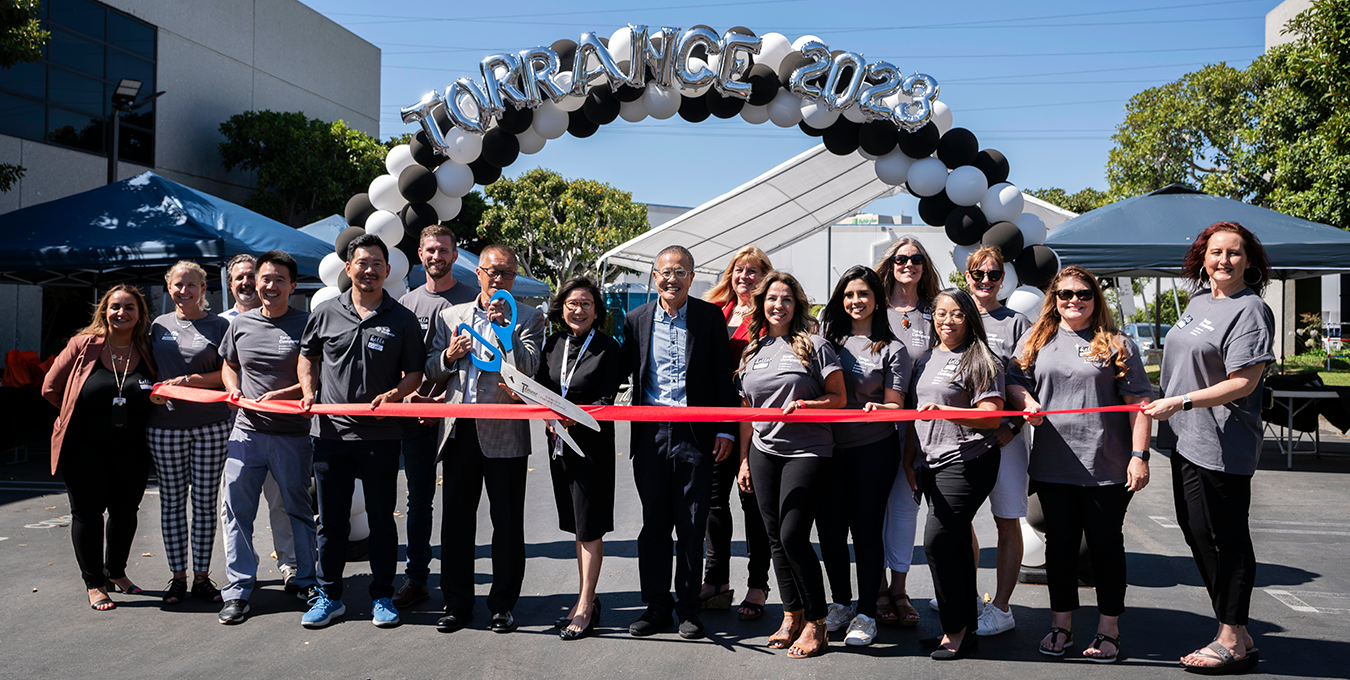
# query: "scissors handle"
493 365
505 333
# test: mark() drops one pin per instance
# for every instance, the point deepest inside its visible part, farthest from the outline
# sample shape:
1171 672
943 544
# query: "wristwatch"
1186 404
1141 455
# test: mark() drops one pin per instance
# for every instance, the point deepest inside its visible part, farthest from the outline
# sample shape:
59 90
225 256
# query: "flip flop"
99 605
1068 642
1228 664
1097 645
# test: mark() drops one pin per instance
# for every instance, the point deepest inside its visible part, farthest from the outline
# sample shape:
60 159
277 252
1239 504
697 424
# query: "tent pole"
224 289
1176 299
1157 316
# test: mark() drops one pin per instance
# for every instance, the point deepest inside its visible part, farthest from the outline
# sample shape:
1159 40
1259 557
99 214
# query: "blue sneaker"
383 613
322 611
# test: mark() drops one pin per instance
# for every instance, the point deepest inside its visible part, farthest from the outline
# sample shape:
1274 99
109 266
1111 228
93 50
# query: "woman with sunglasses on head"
958 459
734 293
1211 378
1008 501
910 283
788 366
1085 467
876 369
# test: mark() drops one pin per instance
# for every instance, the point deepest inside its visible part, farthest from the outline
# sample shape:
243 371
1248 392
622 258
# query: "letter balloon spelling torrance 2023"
478 126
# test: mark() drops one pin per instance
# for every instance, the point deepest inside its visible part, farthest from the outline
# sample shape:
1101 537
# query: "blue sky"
1046 82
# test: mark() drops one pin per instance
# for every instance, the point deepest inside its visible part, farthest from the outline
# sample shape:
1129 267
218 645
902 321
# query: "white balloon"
661 102
1027 300
384 194
464 147
399 159
1003 202
633 112
962 253
927 177
387 226
396 288
323 295
696 64
1033 229
446 207
454 179
530 142
359 524
817 116
398 268
550 122
564 82
893 168
797 44
966 185
854 114
942 117
1009 282
773 47
330 269
755 115
620 43
786 109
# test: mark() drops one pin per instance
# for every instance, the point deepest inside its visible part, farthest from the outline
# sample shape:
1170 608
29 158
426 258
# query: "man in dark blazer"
677 351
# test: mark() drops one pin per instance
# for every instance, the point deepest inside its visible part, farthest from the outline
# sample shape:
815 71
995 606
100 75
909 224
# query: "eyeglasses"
955 317
916 259
977 274
678 274
584 306
1065 294
503 274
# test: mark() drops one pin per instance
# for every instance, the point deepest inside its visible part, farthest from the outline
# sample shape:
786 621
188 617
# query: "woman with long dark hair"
787 366
1211 378
1084 467
876 369
957 459
101 382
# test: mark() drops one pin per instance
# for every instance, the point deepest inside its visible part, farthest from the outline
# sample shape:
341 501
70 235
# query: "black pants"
1212 509
466 473
1099 512
859 487
674 480
106 477
954 493
337 466
788 490
717 554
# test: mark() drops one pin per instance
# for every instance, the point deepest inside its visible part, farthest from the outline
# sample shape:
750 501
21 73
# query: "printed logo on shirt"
995 341
1205 326
859 365
760 363
1085 351
788 360
1185 320
286 343
382 330
198 341
170 336
948 371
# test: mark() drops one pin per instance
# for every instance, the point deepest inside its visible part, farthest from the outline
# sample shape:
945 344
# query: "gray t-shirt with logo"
773 376
1215 338
866 377
1005 329
914 329
266 350
426 305
181 347
943 442
1089 449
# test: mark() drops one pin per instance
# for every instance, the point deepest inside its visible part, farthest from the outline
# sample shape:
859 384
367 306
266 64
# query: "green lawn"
1338 376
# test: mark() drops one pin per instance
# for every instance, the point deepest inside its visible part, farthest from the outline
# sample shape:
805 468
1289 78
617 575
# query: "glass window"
20 117
78 15
75 129
137 146
131 35
81 93
122 65
29 80
67 49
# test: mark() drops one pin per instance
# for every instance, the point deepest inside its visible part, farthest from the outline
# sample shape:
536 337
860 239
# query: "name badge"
376 344
760 363
145 384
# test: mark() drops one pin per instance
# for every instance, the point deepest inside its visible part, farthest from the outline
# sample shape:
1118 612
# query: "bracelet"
801 403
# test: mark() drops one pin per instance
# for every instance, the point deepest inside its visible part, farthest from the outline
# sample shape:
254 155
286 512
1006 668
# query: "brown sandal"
791 628
886 615
905 613
822 639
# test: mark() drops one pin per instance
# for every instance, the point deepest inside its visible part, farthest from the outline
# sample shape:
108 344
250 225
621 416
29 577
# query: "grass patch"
1337 376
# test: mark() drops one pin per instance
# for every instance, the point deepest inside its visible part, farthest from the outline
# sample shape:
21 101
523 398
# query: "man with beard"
242 272
362 346
437 251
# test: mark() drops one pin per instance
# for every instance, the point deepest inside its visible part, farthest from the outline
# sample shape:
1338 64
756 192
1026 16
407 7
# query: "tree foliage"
1080 202
306 168
21 41
1172 299
1276 134
561 227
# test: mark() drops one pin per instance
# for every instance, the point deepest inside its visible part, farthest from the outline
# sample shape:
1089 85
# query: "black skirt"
584 486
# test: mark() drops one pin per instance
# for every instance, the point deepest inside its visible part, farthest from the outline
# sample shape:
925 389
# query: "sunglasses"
1065 294
977 274
916 259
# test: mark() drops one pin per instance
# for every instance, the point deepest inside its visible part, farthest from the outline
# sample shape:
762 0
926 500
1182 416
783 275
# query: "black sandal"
1068 642
176 592
1097 645
133 590
756 610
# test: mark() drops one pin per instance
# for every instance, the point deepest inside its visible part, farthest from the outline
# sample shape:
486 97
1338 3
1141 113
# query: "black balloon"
810 131
877 137
442 119
958 147
966 225
722 107
566 51
409 247
514 120
920 143
344 281
601 107
790 63
422 151
417 184
694 109
344 238
579 126
842 138
1006 237
763 85
416 217
628 93
358 210
1036 265
742 30
500 148
993 164
484 173
933 210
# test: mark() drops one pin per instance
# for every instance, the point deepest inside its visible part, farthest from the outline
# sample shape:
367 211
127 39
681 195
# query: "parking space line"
1291 601
1304 601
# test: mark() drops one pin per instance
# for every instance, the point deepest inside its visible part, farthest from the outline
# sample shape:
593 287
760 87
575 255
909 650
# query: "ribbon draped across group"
659 414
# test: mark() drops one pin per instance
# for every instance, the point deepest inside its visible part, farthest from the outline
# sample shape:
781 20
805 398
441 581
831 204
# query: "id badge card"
120 412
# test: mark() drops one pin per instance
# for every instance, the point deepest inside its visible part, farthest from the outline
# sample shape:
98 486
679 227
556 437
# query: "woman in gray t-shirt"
1084 466
958 458
787 366
1211 377
866 455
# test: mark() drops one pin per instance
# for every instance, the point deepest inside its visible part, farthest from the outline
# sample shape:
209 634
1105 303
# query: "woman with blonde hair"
187 440
101 382
734 293
1084 467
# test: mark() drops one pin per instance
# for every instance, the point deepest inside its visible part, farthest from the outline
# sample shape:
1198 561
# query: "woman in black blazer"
584 365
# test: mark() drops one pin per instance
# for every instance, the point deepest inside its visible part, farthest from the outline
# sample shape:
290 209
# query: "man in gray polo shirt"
360 347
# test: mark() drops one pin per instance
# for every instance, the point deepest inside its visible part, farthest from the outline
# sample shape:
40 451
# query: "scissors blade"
537 394
561 432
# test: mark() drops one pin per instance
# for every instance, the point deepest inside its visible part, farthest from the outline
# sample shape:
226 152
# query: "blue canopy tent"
132 229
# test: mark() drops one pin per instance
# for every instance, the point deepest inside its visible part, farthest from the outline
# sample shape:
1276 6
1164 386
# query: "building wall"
1278 17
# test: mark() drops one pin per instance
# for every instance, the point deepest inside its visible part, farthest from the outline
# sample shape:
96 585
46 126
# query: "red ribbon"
658 414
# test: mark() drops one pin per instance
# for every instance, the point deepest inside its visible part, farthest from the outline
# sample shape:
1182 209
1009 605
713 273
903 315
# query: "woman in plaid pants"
187 441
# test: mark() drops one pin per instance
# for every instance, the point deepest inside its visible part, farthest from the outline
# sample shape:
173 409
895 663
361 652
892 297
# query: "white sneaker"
979 603
838 616
994 621
862 630
932 604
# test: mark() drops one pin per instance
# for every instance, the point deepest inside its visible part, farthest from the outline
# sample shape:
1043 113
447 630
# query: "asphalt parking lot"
1300 523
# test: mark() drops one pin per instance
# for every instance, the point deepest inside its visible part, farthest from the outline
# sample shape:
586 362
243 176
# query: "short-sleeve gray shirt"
943 442
1215 338
914 329
1005 328
773 376
181 347
426 305
1089 449
266 350
866 377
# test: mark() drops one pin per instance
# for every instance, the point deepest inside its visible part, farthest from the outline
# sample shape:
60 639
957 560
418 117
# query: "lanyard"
565 378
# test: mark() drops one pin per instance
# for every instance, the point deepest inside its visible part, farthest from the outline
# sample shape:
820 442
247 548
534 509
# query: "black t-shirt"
91 421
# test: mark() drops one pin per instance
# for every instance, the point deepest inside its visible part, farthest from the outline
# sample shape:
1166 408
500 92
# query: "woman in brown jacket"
101 382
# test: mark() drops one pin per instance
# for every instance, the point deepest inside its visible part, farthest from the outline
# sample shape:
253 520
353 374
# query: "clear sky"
1044 82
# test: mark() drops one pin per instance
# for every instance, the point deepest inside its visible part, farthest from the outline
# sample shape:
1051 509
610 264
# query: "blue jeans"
250 456
337 465
419 467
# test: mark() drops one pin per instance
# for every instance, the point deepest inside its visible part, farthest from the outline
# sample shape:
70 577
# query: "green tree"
1171 301
1080 202
561 227
306 168
21 41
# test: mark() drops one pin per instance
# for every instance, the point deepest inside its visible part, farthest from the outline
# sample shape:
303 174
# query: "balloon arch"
477 127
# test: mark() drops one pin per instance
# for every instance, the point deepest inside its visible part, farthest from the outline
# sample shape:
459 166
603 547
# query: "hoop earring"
1251 283
1204 276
